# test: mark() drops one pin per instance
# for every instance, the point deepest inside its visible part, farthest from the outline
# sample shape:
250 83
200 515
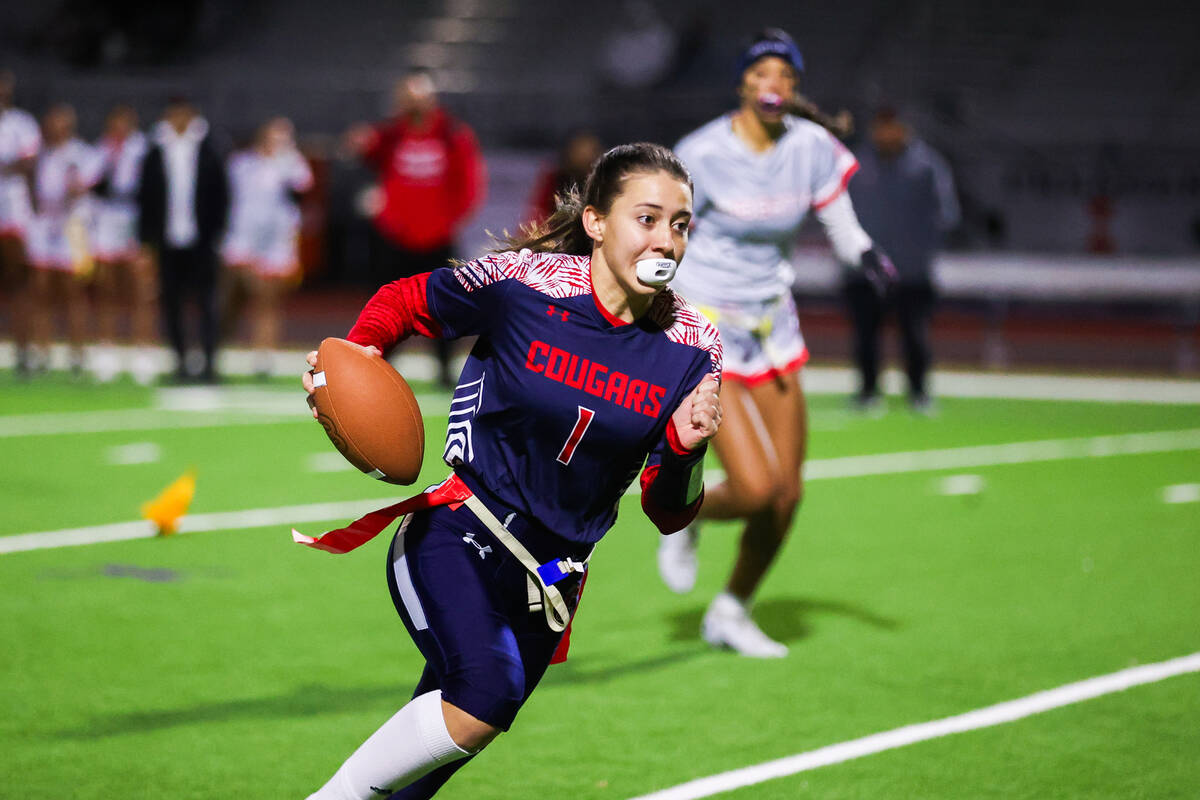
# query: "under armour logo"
483 549
551 311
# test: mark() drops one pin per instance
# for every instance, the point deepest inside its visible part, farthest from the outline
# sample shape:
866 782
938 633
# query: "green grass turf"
235 664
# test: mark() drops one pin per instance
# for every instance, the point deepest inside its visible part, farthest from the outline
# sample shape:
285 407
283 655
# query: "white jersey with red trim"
749 207
264 221
62 173
114 237
20 138
70 166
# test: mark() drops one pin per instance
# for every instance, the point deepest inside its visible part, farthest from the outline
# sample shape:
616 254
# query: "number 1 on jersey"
581 426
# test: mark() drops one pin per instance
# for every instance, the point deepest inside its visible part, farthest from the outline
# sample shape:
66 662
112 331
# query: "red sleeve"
398 310
376 152
667 520
665 482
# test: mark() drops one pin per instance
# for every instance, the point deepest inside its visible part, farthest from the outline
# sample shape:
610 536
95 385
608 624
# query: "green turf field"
235 664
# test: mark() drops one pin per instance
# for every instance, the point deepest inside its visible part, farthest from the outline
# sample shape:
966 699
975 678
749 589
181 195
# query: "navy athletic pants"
465 601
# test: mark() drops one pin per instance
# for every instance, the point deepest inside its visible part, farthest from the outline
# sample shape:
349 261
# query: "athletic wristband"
680 479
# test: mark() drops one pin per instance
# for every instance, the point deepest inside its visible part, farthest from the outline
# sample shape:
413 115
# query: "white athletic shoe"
728 624
144 365
677 559
104 362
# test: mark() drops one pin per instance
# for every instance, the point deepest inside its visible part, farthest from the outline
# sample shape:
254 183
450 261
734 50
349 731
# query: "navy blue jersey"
559 404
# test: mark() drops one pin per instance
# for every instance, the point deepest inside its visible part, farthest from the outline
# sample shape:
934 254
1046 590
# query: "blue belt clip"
554 571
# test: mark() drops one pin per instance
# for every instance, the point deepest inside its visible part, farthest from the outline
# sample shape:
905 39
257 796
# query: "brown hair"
840 124
563 232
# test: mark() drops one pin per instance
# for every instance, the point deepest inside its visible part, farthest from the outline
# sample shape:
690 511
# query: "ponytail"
840 124
561 232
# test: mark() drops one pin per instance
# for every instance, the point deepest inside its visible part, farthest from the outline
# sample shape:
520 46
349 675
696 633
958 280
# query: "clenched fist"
699 415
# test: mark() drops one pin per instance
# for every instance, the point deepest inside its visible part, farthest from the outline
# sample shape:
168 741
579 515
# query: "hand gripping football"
368 411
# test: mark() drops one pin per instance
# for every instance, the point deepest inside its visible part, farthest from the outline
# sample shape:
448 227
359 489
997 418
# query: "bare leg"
144 294
748 457
42 309
782 406
108 300
762 452
15 270
74 293
236 294
267 293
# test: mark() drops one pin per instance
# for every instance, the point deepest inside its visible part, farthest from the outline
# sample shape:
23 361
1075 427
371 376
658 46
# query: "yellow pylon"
171 504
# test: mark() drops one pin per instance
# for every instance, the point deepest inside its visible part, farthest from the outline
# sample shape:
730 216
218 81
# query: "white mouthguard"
769 101
656 271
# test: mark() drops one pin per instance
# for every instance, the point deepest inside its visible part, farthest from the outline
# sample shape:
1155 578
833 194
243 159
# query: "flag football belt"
540 578
759 325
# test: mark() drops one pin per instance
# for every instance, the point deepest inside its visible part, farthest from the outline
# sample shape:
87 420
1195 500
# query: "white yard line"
1181 493
841 380
911 734
131 419
817 469
995 454
183 408
192 523
207 407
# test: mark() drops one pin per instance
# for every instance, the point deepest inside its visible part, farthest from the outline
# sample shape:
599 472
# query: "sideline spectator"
261 250
905 199
124 281
182 204
67 168
432 178
20 140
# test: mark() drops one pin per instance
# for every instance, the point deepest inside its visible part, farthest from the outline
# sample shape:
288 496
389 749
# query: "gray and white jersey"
749 206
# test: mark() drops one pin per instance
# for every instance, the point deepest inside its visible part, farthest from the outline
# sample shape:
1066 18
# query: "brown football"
368 411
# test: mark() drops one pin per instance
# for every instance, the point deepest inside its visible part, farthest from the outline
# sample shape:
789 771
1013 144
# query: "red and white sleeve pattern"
552 274
843 166
682 323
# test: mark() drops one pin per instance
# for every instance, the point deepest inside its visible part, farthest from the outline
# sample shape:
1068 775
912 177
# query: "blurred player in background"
585 369
432 179
759 170
67 168
125 281
20 140
568 172
261 249
904 195
183 199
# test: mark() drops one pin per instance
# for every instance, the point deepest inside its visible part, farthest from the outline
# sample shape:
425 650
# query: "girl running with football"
586 371
759 170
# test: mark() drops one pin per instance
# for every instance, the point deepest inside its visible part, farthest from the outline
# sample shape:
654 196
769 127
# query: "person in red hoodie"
431 179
